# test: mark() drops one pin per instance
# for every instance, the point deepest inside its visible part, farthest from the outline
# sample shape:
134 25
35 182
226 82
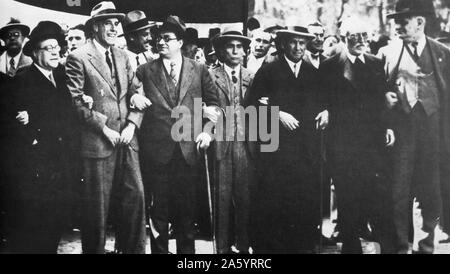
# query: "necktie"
233 77
12 67
50 76
108 61
415 52
137 60
173 73
295 70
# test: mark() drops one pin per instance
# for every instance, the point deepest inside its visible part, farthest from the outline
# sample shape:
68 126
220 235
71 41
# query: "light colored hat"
228 34
102 11
296 31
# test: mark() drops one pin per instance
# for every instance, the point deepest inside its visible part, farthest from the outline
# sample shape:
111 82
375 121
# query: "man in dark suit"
355 85
102 73
176 87
234 153
288 197
40 192
418 68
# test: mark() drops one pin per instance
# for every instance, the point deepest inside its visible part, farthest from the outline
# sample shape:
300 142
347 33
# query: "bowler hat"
43 31
104 10
413 7
134 21
14 23
174 24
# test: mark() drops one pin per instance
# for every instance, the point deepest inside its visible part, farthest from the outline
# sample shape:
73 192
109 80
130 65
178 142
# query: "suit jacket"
155 135
299 97
50 131
307 58
24 61
88 74
221 79
440 55
356 105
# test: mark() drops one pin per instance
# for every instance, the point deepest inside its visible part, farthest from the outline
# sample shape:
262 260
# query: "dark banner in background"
191 11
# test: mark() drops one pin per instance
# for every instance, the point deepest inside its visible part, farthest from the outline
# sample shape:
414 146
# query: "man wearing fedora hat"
12 59
287 202
234 167
109 148
137 31
419 102
172 83
41 193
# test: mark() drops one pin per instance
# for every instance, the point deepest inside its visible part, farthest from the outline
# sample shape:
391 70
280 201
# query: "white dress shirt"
5 59
352 58
420 45
229 71
47 73
178 63
295 67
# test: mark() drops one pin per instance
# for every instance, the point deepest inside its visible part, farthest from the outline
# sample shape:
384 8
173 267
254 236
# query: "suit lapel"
157 72
120 63
246 82
186 75
438 60
44 81
221 81
100 65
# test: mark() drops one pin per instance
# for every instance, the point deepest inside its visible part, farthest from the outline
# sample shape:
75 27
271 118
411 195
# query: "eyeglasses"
51 48
166 39
361 36
14 34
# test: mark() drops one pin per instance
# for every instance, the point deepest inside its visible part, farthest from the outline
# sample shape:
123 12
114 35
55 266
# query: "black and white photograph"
218 127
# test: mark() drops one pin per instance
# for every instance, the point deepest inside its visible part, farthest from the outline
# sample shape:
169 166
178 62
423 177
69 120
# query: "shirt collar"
352 58
16 58
291 64
44 71
420 44
228 70
178 60
101 48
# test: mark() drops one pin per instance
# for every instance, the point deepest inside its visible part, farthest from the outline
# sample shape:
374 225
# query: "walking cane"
321 179
211 208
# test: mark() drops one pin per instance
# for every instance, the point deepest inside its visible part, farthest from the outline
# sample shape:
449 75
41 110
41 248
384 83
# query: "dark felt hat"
43 31
413 7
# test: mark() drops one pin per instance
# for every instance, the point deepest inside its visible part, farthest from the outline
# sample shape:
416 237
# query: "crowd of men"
92 138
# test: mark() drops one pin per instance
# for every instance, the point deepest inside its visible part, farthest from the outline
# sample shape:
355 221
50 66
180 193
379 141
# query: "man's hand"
322 120
203 140
23 117
88 101
288 121
112 135
140 102
391 99
212 113
390 138
264 101
127 134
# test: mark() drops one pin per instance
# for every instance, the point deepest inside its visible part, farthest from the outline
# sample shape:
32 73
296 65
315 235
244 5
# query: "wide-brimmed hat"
43 31
14 24
174 24
136 20
104 10
231 34
294 31
413 7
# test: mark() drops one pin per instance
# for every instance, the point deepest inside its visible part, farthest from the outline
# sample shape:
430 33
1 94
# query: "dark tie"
295 70
315 56
108 61
359 72
137 60
173 73
415 52
12 64
233 77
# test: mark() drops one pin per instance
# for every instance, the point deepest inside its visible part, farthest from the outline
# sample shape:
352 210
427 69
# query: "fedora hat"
294 31
413 7
104 10
43 31
231 34
134 21
14 24
174 24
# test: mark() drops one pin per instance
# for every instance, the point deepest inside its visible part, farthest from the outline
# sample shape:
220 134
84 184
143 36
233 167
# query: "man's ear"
421 20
